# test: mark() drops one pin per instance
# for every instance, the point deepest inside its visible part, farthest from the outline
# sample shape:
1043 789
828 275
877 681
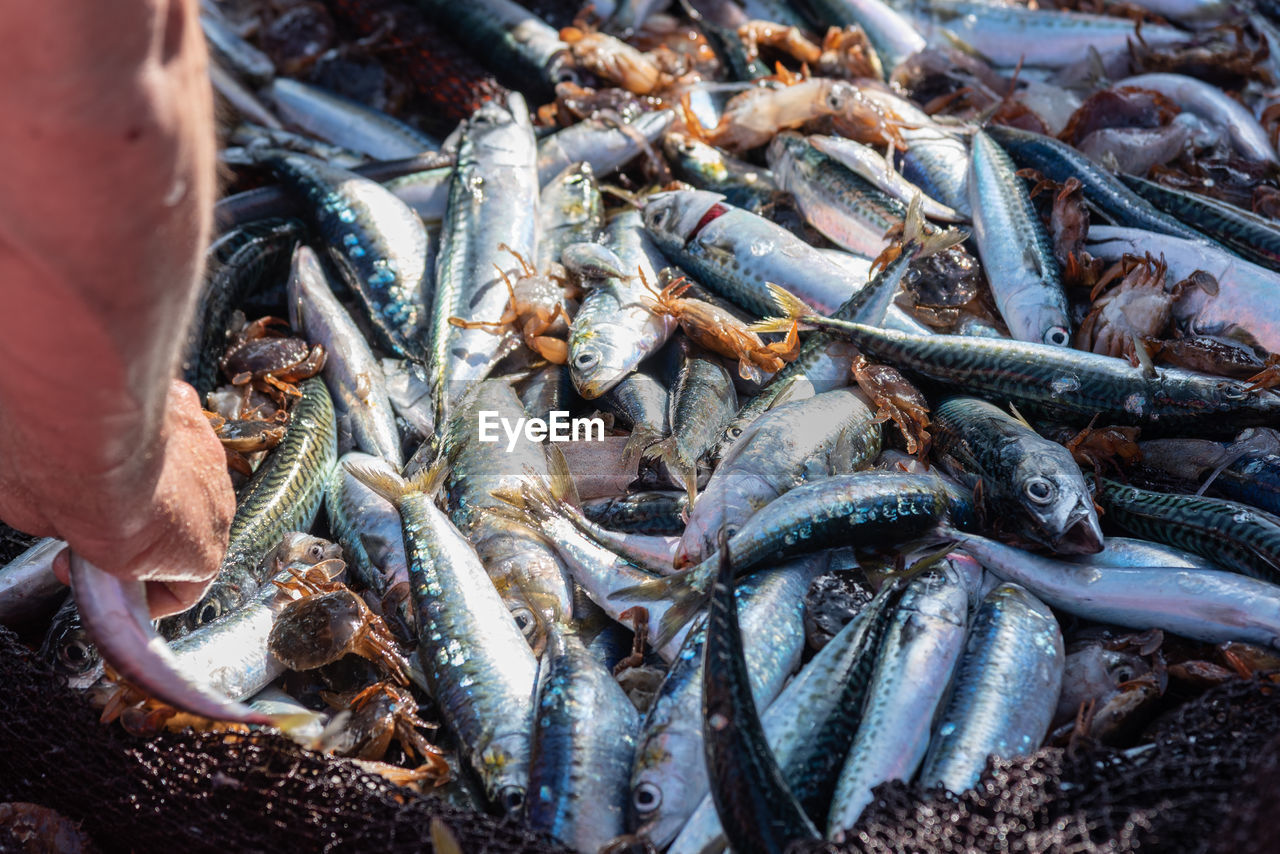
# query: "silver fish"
493 202
351 371
1005 692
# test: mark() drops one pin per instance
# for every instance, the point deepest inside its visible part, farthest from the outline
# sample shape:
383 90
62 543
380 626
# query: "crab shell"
317 630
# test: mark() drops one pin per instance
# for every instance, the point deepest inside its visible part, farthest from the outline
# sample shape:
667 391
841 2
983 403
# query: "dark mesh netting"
210 792
1204 780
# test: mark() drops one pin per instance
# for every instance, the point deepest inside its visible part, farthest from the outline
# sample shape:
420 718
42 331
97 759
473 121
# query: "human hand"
165 522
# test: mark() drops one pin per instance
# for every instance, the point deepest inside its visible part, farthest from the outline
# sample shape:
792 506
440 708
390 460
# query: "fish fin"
393 487
637 443
291 723
668 452
687 601
680 589
1230 459
913 223
1013 410
563 488
1143 356
771 324
654 589
443 839
388 485
941 241
791 306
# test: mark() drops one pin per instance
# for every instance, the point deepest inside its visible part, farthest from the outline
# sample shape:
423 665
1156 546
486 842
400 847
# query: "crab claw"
115 615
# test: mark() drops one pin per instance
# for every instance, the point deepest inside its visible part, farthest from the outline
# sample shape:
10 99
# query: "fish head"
1056 503
664 790
504 767
298 549
692 157
676 215
592 261
68 648
598 362
783 151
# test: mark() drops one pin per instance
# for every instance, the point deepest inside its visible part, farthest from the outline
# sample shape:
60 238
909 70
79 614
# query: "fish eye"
211 611
316 552
1039 490
1122 674
730 531
511 798
1057 337
1233 391
646 798
586 360
76 654
525 621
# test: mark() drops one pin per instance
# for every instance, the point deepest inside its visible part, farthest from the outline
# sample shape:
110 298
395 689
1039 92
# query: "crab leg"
115 615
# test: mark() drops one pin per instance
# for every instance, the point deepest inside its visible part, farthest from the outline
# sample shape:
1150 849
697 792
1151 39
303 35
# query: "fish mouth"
1082 537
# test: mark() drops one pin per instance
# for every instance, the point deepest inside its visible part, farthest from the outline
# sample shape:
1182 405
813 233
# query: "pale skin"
105 206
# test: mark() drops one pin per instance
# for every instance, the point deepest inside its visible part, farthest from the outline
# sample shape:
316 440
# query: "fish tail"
794 310
682 590
686 601
686 473
393 487
637 444
563 488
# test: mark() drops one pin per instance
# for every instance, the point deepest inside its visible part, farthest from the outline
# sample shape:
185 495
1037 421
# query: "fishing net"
1202 781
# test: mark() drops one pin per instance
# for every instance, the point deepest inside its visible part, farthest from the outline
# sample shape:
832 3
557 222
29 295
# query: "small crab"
244 436
537 311
379 713
264 359
752 118
1139 307
787 39
896 398
326 624
720 332
1105 447
1207 355
616 61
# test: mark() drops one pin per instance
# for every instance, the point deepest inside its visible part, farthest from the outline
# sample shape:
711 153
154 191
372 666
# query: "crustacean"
752 118
1207 355
329 622
617 62
246 436
1105 447
537 310
720 332
378 714
844 53
264 359
1140 307
897 399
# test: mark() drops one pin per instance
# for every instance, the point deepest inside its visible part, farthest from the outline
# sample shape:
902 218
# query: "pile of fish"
798 397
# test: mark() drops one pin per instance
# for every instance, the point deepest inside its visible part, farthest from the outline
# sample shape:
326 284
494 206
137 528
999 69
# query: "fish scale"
1232 535
1070 384
283 495
493 201
375 240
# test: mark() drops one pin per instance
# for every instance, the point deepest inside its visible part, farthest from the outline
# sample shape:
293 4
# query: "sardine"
1005 692
478 665
351 372
493 202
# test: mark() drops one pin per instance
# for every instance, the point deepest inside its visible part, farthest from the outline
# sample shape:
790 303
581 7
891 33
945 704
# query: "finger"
165 598
62 566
